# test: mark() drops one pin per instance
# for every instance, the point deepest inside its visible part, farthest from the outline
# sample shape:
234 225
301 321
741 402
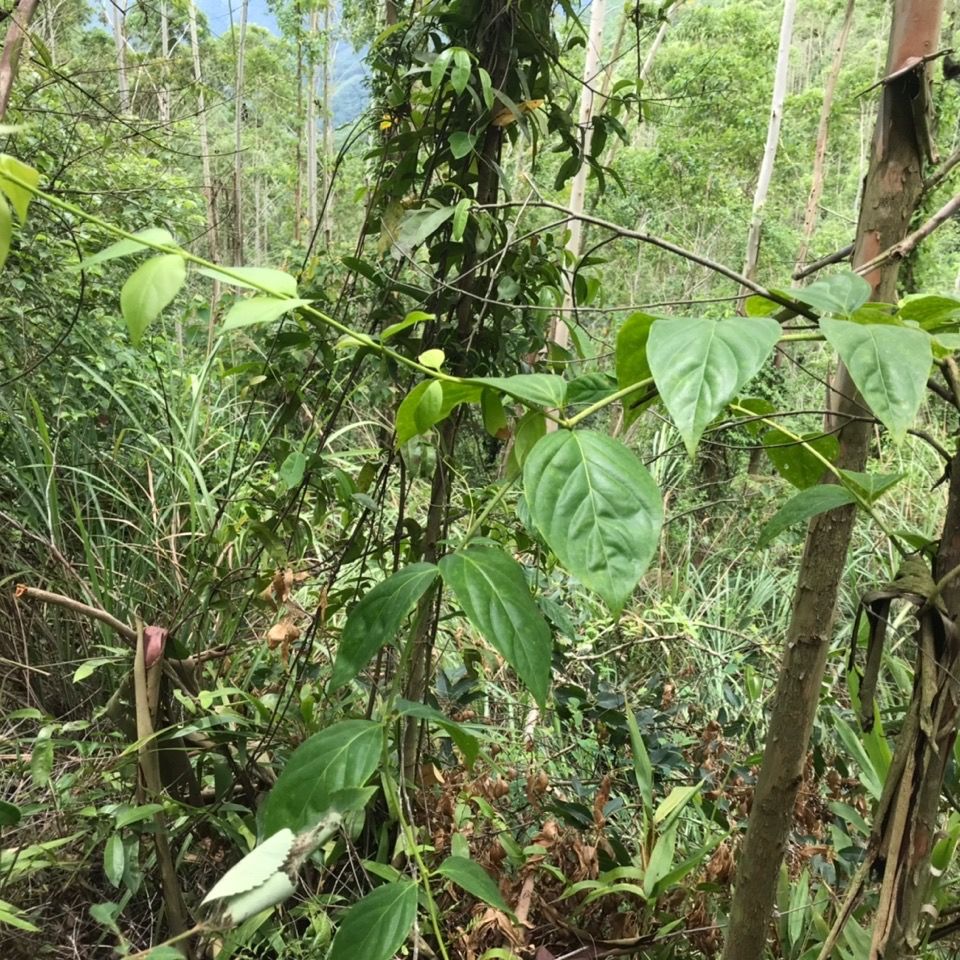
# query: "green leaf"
12 916
889 365
460 145
10 814
804 505
931 312
375 927
439 68
794 462
597 507
490 587
41 761
529 429
123 248
430 402
870 486
461 215
758 407
494 416
343 755
419 225
463 737
540 389
377 618
432 358
486 87
253 310
414 317
475 880
841 293
150 288
278 283
6 231
20 197
114 859
590 388
632 364
89 667
460 74
675 802
292 469
661 859
642 768
700 364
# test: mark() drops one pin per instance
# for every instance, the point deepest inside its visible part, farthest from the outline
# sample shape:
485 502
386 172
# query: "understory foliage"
343 611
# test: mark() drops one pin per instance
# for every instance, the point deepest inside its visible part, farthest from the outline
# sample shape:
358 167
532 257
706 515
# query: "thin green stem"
862 502
487 510
605 402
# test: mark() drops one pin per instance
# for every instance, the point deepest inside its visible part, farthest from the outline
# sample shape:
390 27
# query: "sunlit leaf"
375 927
150 288
253 310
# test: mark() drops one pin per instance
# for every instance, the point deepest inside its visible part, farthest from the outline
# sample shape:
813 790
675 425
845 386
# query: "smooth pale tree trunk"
298 191
238 135
328 48
560 332
118 18
163 95
773 138
312 158
213 231
892 191
820 153
12 45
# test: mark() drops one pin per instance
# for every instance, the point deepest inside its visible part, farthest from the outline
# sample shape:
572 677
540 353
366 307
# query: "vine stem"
488 509
862 502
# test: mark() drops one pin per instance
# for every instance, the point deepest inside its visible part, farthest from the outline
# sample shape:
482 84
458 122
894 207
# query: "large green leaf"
796 462
597 507
631 361
466 738
377 618
540 389
841 293
375 927
123 248
889 365
418 225
699 365
475 880
150 288
491 588
804 505
342 756
279 283
253 310
931 312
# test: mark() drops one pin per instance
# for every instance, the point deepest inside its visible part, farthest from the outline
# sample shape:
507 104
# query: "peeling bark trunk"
559 331
12 45
312 205
238 136
118 16
820 153
773 138
892 191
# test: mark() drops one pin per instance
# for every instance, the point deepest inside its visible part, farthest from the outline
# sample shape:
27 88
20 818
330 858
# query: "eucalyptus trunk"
118 18
765 175
12 45
238 134
892 191
820 152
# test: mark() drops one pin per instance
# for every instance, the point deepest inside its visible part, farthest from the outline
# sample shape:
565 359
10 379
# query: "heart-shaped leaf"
840 294
796 462
597 507
889 365
375 927
699 365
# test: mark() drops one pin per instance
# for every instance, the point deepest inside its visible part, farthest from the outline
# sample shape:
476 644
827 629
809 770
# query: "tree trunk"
238 135
163 94
118 16
327 115
312 204
12 45
773 138
213 232
298 191
820 154
891 193
559 331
